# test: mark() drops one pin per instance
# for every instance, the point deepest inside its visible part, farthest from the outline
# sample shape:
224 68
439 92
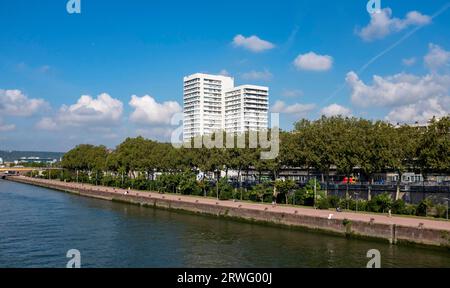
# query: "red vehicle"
349 180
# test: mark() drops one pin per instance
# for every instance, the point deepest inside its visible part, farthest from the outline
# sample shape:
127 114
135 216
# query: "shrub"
362 205
399 207
297 198
188 185
348 204
261 193
323 204
380 203
410 209
225 189
225 195
440 211
108 180
334 201
424 207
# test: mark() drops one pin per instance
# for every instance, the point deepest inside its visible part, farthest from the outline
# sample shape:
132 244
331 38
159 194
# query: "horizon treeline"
345 143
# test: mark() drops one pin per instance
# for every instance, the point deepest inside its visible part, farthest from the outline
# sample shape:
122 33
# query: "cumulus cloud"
252 43
297 108
410 98
148 111
421 111
335 110
383 24
15 103
400 89
87 112
258 75
313 62
102 110
436 57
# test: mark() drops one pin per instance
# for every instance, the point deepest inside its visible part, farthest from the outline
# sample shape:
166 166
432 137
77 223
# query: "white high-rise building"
203 103
211 103
246 108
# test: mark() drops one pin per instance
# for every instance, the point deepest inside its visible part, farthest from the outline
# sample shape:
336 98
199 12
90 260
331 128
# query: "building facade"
246 109
203 103
211 103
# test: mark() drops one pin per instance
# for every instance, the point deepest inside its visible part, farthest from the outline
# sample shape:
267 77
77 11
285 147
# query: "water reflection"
39 225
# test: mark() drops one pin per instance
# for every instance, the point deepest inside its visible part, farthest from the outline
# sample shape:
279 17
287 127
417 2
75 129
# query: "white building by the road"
211 103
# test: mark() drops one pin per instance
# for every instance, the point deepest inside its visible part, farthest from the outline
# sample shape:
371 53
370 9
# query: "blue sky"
310 54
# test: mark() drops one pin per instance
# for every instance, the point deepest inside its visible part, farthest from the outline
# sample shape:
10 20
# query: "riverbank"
393 229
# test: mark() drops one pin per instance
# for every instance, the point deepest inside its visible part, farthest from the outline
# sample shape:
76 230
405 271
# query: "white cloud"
410 98
409 61
397 90
313 62
252 43
104 110
292 93
148 111
436 57
297 108
87 112
6 127
15 103
382 24
421 111
335 110
258 75
47 123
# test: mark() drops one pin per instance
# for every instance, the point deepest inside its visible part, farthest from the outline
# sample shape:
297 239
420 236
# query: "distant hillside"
10 156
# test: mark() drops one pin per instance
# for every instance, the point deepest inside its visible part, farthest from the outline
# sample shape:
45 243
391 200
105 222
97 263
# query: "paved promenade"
353 216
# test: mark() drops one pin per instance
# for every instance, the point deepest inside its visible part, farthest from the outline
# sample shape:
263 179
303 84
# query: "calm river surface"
38 226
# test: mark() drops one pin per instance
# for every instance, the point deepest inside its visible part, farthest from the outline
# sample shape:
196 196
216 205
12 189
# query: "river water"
38 226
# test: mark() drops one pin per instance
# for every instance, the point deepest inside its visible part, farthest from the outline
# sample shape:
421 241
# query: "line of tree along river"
344 143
